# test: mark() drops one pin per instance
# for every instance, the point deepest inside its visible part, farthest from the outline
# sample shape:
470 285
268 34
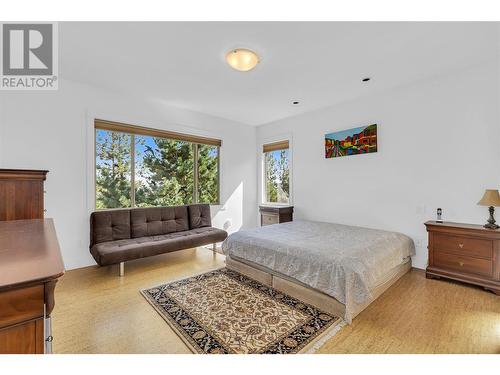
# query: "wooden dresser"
275 214
30 263
21 194
464 252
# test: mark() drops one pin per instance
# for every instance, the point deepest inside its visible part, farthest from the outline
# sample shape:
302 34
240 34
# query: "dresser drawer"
26 338
269 219
466 246
463 264
21 304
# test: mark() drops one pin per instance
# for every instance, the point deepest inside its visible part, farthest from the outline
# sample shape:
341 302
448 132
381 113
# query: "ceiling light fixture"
366 79
295 102
242 59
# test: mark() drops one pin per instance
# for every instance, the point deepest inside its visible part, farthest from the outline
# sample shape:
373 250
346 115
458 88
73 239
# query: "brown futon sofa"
117 236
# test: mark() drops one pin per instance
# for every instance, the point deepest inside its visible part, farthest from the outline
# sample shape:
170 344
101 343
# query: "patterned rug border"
313 344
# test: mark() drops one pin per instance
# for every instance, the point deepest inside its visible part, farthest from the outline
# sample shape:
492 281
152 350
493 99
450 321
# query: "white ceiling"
319 64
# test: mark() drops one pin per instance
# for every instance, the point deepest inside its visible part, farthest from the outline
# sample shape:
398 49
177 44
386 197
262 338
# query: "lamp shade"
490 198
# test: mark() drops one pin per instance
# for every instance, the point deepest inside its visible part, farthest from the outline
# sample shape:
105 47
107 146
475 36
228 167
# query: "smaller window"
276 173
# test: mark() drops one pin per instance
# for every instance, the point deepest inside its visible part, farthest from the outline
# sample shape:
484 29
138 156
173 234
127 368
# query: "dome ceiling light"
242 59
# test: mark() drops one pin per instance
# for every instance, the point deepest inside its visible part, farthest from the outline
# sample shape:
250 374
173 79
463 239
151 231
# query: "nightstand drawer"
464 246
269 219
463 264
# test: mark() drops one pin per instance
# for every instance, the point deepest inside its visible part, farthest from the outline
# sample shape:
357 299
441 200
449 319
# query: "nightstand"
275 214
464 252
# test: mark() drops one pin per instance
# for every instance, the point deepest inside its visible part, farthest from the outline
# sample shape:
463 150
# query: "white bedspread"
342 261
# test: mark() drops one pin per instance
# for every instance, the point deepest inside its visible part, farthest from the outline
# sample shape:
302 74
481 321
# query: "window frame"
271 146
132 131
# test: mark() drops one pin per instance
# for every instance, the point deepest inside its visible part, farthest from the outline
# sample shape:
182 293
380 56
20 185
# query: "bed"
338 268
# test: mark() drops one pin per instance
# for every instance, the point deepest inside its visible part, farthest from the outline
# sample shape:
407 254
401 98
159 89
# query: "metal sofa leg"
122 268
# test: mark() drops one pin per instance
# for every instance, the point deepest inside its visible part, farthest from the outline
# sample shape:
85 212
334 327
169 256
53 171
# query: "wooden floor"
98 312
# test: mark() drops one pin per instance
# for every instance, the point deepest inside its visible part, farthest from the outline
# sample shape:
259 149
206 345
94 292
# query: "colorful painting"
362 140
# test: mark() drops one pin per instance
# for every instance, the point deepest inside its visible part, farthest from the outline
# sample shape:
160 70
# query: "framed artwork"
362 140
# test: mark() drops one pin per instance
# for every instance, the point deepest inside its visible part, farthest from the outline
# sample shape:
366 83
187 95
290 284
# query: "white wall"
438 146
53 130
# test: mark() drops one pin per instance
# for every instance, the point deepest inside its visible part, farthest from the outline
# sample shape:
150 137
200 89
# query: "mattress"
344 262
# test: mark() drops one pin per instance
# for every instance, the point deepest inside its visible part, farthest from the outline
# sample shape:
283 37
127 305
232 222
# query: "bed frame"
305 293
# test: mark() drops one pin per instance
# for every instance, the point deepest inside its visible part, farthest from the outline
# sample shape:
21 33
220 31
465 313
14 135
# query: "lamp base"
491 226
491 221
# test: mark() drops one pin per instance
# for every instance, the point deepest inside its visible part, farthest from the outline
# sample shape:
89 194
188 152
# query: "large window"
276 173
140 167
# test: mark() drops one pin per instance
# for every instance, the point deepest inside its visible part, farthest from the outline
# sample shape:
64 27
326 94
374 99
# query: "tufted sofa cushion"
199 216
109 226
154 221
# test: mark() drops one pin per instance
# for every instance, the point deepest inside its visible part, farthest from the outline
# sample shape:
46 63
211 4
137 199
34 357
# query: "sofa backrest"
153 221
199 216
112 225
109 225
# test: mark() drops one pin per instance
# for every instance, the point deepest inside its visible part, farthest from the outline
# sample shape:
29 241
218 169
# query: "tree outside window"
277 176
113 169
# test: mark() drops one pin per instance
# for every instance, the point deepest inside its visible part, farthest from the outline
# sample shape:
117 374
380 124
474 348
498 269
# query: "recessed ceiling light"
366 79
242 59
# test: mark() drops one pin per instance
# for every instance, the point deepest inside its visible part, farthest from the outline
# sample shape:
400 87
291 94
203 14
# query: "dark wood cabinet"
21 194
464 252
30 263
275 214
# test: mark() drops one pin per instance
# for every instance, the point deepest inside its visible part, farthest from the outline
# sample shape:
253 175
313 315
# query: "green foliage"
112 169
208 174
166 174
164 171
284 176
271 178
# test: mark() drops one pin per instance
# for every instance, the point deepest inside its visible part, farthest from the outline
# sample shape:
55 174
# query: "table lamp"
490 198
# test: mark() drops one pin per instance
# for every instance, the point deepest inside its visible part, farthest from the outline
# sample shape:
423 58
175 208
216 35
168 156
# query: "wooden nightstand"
275 214
464 252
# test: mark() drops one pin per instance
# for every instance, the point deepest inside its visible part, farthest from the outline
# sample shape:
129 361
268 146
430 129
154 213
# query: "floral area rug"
223 311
